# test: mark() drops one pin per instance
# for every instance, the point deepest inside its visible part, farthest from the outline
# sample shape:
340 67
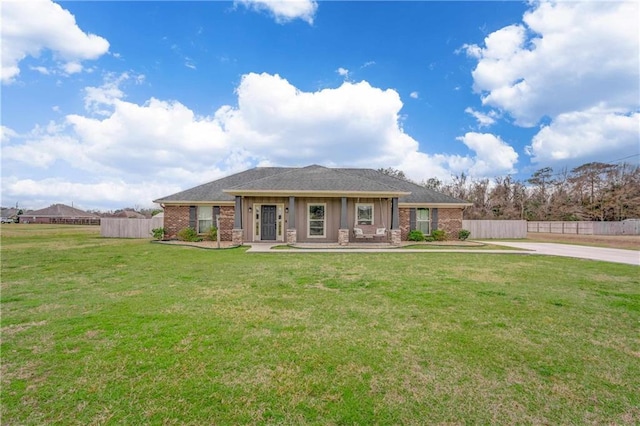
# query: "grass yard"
109 331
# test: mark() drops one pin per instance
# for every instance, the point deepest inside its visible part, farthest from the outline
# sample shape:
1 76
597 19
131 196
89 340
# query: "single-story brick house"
60 214
312 204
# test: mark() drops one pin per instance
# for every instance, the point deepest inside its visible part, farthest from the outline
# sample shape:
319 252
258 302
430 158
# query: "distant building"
60 214
9 214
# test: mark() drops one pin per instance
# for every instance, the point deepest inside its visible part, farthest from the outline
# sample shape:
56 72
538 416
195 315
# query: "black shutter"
412 219
216 212
434 219
193 217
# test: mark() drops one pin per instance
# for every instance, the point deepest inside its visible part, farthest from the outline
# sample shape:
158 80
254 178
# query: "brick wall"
177 218
404 223
450 220
226 222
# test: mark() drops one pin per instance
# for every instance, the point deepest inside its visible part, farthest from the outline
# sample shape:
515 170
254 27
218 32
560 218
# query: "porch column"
237 213
343 214
395 214
236 233
292 233
395 223
343 232
291 221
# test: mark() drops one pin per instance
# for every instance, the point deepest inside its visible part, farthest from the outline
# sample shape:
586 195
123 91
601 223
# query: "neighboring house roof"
9 212
311 180
61 210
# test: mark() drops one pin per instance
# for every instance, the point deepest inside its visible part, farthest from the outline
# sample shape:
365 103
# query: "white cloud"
483 119
595 133
285 10
343 72
106 194
352 124
414 95
29 27
494 156
101 100
164 142
568 56
41 70
6 134
574 64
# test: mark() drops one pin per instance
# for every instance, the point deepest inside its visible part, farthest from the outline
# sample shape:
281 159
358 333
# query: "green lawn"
108 331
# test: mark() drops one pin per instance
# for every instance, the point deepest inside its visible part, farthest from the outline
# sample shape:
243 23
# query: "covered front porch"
317 219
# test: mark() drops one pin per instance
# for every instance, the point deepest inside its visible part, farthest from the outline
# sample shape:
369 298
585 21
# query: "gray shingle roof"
311 178
61 210
213 191
315 178
419 194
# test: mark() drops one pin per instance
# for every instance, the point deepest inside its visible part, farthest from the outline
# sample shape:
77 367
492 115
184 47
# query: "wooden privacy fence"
496 228
626 227
129 228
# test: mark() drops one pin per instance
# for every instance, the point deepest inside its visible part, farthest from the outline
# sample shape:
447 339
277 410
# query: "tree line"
591 192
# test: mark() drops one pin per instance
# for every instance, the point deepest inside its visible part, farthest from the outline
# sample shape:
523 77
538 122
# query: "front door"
268 223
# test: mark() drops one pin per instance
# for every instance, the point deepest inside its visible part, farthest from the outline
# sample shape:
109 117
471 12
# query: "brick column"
343 237
395 237
236 237
292 236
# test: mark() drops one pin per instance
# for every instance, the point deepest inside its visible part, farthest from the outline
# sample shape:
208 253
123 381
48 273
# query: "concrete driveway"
631 257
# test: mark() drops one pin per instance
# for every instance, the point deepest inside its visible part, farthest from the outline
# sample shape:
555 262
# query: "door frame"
256 220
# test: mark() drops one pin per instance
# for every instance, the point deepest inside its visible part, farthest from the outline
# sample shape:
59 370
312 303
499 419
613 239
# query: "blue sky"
114 104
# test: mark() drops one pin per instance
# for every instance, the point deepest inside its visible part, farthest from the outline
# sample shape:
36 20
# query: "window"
364 214
205 219
316 221
423 221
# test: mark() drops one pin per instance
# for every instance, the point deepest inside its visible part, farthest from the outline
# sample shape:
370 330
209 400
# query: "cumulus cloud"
343 72
104 194
494 156
29 27
414 95
483 119
164 144
566 56
284 10
354 123
100 100
573 64
595 133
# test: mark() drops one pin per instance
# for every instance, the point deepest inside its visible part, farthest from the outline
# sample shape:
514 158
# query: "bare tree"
394 172
589 182
537 207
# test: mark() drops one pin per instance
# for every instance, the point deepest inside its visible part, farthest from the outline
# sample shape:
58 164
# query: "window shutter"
193 217
412 219
216 212
434 219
